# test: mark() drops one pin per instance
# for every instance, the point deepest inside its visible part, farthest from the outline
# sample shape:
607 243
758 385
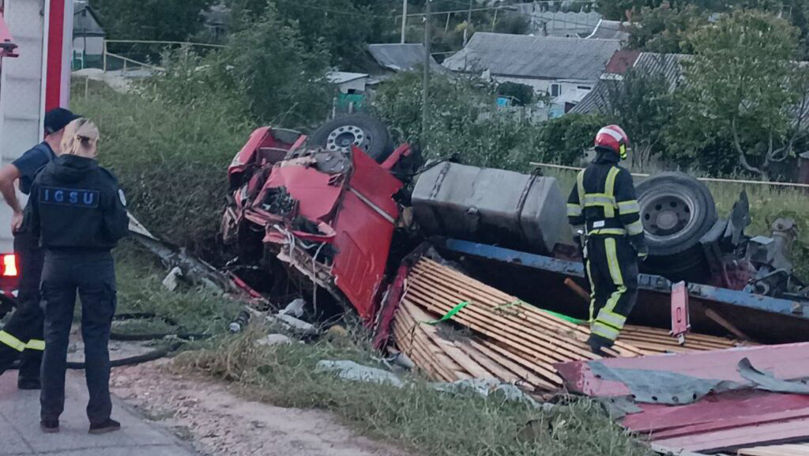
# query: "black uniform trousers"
22 335
612 268
92 274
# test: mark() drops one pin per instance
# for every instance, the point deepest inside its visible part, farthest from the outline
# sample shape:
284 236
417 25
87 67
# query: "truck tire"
361 130
676 211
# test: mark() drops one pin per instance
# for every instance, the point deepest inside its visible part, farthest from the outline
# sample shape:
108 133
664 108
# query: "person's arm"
8 175
629 212
32 209
575 209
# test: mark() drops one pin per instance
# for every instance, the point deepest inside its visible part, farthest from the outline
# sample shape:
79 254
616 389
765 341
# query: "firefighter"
603 202
21 338
80 214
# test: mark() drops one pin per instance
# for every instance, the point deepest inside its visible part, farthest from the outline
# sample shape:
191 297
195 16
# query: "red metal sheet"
716 412
313 190
727 439
789 361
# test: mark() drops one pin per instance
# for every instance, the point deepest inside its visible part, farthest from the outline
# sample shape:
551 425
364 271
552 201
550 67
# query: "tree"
664 29
644 106
281 79
743 84
162 20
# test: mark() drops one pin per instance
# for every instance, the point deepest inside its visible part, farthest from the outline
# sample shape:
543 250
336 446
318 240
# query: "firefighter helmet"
613 137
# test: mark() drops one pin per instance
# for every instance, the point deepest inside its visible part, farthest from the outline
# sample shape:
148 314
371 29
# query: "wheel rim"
666 215
342 138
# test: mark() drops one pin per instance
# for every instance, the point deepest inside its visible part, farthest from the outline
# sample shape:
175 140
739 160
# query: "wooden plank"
518 370
491 365
480 316
430 270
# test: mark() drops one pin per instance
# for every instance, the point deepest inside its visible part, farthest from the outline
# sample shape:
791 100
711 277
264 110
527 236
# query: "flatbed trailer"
539 280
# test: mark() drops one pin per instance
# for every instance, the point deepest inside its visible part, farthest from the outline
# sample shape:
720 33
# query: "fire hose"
179 339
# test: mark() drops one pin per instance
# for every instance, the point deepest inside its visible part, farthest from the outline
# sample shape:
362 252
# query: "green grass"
140 289
416 417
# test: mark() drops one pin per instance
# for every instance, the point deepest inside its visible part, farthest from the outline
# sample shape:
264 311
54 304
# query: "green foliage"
418 417
523 94
464 121
664 30
644 107
342 27
736 86
164 20
277 76
566 139
169 156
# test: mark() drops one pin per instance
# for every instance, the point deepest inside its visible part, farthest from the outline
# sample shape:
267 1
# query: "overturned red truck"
341 209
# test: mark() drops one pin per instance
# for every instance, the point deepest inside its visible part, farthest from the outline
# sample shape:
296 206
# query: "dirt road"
217 422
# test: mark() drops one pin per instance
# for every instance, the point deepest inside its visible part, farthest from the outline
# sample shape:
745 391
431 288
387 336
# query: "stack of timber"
497 335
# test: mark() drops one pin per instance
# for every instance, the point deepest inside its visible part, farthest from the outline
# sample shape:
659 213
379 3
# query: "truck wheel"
676 211
360 130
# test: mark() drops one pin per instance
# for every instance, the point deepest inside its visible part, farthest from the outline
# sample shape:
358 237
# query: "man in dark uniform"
80 214
22 335
603 201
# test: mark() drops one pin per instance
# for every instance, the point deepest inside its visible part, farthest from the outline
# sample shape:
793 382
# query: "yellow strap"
609 191
573 210
35 344
580 186
611 319
592 292
613 231
11 341
628 207
615 273
604 330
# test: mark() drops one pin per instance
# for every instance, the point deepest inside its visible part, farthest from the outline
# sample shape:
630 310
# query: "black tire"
365 132
676 211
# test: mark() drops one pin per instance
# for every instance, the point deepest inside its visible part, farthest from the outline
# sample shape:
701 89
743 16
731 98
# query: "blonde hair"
80 138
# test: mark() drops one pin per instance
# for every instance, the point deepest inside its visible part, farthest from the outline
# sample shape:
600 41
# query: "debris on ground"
274 339
349 370
711 401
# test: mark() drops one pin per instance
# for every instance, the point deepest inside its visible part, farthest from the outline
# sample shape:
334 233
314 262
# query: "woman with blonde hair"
80 214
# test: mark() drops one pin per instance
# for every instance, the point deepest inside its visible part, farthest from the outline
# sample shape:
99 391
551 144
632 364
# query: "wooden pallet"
501 336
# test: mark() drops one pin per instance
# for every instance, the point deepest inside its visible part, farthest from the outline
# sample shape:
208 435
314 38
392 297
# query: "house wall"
95 45
570 90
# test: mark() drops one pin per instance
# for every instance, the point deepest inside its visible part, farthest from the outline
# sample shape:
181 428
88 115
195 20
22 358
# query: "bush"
565 139
170 157
464 122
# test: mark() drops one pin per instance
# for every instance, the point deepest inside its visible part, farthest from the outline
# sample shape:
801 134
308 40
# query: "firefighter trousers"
22 337
612 268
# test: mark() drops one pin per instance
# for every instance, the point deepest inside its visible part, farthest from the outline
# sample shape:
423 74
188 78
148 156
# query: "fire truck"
35 49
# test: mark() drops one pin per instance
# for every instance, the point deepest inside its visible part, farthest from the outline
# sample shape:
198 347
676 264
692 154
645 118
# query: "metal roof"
341 77
399 57
85 22
669 65
540 57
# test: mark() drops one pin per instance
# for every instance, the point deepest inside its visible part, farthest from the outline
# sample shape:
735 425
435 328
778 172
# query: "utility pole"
426 82
404 19
468 23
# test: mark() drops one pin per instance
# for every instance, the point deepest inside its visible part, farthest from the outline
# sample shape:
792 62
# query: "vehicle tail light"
10 265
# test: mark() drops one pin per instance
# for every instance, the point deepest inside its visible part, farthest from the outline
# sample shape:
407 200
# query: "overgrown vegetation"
416 416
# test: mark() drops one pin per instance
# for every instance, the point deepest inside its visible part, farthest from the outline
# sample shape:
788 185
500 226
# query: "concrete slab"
20 434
